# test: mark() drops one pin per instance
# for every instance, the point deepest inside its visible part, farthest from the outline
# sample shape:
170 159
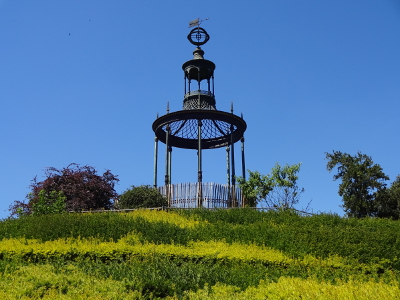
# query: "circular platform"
216 130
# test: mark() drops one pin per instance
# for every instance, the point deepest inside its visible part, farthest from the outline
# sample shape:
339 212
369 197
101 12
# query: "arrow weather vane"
196 22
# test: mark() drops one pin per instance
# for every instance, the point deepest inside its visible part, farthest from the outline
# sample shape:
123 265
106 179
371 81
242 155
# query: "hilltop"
199 254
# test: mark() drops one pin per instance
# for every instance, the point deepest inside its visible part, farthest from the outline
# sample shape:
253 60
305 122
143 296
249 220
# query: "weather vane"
198 36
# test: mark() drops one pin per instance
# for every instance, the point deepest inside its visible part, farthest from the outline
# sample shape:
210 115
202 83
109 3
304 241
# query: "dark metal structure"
199 125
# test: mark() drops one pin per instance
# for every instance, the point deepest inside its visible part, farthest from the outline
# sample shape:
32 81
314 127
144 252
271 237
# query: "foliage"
256 187
388 201
50 282
286 193
362 181
156 277
199 254
364 240
277 189
83 188
235 264
297 288
49 203
143 196
394 189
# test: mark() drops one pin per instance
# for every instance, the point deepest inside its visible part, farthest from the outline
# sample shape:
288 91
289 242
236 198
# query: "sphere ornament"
198 36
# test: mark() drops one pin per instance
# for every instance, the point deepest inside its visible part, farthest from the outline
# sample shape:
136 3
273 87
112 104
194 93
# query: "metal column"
243 162
184 81
170 164
198 83
166 156
233 169
228 167
199 168
167 180
155 161
213 84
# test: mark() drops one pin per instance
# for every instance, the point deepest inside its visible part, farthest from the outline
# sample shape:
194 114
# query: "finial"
232 107
198 53
157 116
168 107
241 115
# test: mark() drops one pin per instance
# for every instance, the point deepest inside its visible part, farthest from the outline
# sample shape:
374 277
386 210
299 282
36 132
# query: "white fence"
209 195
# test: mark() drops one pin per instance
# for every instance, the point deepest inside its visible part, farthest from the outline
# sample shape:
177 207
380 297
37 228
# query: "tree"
388 201
362 182
286 192
143 196
256 188
82 187
394 191
277 189
394 195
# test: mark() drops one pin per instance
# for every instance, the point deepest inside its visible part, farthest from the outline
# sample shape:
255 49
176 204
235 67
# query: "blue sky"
82 82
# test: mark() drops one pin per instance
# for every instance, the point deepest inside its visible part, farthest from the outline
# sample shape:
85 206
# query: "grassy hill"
199 254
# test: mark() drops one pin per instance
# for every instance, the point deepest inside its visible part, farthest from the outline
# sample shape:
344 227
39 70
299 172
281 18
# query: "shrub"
49 203
278 189
143 196
82 187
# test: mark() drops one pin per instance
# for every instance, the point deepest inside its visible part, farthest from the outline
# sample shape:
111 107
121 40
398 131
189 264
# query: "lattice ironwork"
218 128
188 129
191 100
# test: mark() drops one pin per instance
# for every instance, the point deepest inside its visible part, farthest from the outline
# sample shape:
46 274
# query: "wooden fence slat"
214 195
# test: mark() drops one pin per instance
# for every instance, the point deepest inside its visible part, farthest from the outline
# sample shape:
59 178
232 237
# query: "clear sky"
82 82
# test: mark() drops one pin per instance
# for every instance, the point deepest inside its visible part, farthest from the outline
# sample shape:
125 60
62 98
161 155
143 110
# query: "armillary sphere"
198 36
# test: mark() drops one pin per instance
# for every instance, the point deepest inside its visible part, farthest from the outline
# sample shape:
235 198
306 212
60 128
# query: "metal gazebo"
200 126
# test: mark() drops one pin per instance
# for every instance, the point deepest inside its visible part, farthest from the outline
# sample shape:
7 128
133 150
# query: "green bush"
49 203
143 196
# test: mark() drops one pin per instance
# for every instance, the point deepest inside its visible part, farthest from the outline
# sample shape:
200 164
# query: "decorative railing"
197 92
192 101
208 195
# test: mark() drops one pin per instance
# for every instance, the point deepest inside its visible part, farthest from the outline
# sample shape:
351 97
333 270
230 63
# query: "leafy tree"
394 190
256 187
388 201
362 182
143 196
278 189
82 187
286 192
